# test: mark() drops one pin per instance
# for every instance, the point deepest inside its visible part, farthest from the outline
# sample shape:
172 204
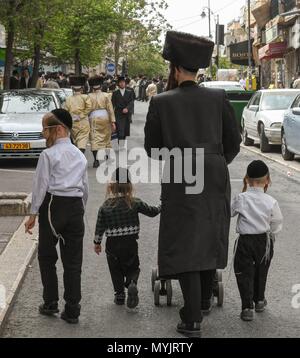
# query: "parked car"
262 118
236 93
290 133
21 113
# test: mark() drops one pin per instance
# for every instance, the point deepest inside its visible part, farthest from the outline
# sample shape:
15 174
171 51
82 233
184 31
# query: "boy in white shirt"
259 219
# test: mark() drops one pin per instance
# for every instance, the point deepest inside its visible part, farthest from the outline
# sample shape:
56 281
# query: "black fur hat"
188 51
95 81
77 81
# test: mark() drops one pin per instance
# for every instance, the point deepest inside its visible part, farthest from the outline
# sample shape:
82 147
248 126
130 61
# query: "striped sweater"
116 219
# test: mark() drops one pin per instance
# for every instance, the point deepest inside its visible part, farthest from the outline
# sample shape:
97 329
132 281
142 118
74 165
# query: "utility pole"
249 48
209 31
218 40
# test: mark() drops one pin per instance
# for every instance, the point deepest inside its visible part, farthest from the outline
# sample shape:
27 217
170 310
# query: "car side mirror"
296 111
253 108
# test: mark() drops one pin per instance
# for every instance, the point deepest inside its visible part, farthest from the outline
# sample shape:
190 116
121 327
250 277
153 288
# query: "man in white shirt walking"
59 197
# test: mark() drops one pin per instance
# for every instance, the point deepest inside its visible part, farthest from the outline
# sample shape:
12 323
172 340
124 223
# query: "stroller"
163 288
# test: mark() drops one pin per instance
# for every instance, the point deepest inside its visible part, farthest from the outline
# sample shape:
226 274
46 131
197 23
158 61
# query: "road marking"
17 171
273 159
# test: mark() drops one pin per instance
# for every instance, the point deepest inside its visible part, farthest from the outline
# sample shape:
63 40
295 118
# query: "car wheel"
264 142
286 154
246 141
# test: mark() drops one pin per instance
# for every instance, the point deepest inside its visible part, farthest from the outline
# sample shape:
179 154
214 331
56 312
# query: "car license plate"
16 146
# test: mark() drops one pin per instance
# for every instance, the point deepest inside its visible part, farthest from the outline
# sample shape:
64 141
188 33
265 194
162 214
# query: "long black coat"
123 120
194 229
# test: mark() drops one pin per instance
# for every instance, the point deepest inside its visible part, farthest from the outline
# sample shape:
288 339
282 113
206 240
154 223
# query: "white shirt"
122 90
61 171
257 212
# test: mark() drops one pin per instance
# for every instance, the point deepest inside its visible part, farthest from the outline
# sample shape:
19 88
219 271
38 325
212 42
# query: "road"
101 318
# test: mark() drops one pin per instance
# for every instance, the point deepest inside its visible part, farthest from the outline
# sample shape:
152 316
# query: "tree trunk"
117 46
77 62
36 66
9 53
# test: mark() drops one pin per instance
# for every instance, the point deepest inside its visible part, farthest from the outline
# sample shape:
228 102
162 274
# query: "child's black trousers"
251 268
123 261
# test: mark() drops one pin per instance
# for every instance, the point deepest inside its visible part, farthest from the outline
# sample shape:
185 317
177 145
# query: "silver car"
21 113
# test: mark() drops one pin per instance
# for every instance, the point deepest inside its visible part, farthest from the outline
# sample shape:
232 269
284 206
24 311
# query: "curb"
14 263
272 159
14 204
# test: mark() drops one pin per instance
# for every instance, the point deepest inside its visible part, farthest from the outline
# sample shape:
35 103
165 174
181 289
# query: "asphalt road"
102 318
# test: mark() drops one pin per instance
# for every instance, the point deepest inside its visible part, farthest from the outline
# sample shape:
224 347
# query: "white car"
262 118
225 85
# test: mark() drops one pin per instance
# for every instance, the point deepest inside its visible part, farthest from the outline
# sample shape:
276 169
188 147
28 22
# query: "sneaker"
247 315
48 309
119 299
132 296
71 320
260 306
189 329
96 164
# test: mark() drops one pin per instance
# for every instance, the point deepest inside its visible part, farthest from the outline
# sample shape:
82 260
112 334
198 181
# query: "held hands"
98 249
29 225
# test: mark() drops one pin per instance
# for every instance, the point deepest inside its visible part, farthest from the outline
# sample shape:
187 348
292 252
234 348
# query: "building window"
274 8
289 5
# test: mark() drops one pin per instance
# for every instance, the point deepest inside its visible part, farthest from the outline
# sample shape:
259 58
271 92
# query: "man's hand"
97 248
29 225
125 110
113 127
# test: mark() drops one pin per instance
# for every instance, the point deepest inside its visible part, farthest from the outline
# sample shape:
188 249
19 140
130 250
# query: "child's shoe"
247 315
132 295
119 299
260 306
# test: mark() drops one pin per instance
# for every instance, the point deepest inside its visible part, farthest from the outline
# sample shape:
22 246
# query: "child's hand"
97 249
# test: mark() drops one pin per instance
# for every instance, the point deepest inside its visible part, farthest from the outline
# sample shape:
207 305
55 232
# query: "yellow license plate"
16 146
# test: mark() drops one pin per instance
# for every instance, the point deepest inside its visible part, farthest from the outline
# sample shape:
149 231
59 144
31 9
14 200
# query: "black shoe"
119 299
96 164
207 306
189 329
48 309
71 320
260 306
247 315
132 296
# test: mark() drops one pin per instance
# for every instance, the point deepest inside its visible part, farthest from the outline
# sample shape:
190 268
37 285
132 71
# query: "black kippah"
257 169
64 117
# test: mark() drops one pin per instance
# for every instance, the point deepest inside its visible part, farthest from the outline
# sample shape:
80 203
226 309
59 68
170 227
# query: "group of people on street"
194 228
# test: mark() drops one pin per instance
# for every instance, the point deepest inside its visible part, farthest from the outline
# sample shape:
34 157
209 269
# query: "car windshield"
277 101
26 103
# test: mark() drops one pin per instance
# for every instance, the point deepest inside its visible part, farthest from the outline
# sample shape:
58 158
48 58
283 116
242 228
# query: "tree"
9 12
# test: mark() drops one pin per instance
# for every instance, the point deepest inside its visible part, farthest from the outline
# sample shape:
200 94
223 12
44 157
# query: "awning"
272 50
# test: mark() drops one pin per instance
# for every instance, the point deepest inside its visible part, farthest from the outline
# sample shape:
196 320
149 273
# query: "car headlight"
276 125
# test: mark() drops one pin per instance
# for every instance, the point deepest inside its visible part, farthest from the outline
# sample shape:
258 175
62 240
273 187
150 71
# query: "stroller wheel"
169 292
219 276
220 294
156 293
153 278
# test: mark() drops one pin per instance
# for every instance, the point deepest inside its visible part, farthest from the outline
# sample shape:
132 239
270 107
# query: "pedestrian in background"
59 196
14 82
259 220
118 219
160 85
296 84
151 89
26 79
79 105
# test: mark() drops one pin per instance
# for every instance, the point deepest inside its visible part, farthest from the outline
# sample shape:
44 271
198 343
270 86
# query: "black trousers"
251 268
67 219
197 290
123 261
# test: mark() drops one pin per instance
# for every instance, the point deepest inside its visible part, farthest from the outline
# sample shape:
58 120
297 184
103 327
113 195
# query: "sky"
184 15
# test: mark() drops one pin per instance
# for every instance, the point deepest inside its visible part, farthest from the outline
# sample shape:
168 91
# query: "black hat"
257 169
188 51
64 117
95 81
121 176
77 81
121 78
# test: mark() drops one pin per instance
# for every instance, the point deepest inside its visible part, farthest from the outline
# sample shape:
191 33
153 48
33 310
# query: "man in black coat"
14 82
26 80
194 225
123 103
